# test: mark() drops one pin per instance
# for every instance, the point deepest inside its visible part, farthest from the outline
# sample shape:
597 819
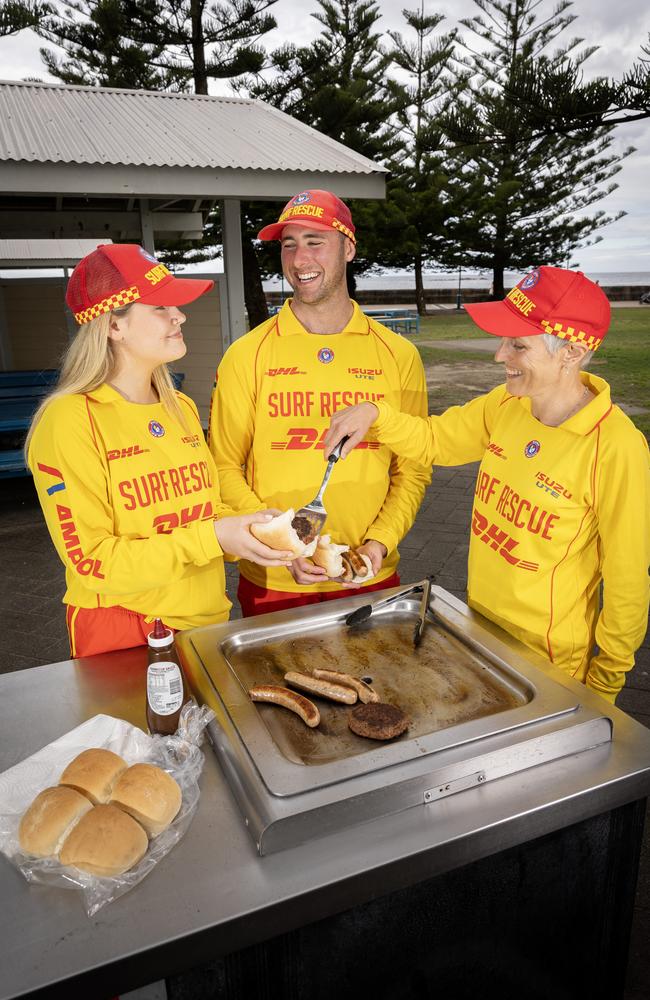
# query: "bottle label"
164 687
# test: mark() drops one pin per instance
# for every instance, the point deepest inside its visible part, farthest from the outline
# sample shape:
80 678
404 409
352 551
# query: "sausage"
365 692
275 695
325 689
353 566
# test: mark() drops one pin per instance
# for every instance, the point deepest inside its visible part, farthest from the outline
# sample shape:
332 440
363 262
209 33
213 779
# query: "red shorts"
103 630
256 600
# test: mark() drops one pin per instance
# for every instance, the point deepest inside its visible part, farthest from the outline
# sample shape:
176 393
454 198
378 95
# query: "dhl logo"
496 449
499 541
304 438
284 371
130 452
164 523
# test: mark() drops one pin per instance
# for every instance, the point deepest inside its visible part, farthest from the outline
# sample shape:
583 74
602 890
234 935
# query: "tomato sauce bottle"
166 690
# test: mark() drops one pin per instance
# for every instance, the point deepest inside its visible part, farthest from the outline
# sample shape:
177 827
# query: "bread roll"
148 794
49 820
106 841
357 567
93 773
328 556
278 534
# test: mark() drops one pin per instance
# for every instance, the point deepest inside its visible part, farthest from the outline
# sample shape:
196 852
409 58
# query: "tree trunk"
198 48
254 297
420 299
498 291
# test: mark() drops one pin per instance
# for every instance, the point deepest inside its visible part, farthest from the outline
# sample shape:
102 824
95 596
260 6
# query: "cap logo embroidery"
532 449
157 273
520 301
530 280
300 199
123 298
313 211
149 256
155 429
325 355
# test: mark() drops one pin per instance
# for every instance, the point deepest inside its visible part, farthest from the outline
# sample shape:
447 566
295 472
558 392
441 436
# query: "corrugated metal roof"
57 252
62 124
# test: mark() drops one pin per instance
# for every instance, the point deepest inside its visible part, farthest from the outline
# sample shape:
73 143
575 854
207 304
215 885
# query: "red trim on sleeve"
49 469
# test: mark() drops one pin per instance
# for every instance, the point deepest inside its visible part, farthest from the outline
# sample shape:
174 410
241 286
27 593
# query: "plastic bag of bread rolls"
97 809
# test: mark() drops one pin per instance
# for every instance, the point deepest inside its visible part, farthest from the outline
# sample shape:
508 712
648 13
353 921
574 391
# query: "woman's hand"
234 537
306 572
355 421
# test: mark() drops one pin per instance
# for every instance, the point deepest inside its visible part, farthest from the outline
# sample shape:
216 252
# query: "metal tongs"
315 512
363 613
422 617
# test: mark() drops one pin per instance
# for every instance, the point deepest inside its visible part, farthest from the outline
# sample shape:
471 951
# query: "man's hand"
355 421
306 572
234 537
376 552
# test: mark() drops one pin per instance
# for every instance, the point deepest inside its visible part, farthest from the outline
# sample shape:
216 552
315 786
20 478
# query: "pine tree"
401 232
177 45
524 188
98 47
15 15
339 86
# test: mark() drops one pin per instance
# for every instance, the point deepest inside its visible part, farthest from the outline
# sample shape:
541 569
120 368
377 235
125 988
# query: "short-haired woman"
562 500
126 481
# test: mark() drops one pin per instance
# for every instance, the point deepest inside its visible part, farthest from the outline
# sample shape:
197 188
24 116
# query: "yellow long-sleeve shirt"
556 510
276 390
130 497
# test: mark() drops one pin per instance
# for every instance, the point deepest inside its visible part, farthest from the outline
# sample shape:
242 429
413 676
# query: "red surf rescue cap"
551 300
116 274
316 209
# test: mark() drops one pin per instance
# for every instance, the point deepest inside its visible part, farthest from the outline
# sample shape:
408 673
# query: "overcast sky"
618 27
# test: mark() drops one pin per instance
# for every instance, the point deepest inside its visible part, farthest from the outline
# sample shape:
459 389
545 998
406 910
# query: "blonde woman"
126 481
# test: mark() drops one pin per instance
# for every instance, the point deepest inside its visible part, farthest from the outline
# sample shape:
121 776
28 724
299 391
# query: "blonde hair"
91 360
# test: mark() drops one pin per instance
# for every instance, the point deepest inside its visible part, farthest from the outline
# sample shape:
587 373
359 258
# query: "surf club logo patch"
532 449
147 255
155 429
300 199
530 280
325 355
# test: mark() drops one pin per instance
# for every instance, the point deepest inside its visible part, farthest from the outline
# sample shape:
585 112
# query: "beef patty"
378 721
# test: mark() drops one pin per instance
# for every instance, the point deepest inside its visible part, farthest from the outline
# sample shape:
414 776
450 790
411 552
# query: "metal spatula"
308 521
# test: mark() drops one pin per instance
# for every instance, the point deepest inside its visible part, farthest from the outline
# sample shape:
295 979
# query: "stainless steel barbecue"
478 710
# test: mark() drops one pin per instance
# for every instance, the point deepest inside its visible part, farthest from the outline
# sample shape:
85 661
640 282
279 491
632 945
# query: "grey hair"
554 344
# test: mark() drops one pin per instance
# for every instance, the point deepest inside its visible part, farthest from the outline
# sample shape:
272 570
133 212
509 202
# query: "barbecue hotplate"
478 709
442 683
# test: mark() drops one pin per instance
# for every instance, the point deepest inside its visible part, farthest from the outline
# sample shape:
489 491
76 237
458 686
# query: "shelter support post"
146 226
6 360
233 269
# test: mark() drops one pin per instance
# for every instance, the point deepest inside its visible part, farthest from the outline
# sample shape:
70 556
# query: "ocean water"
470 279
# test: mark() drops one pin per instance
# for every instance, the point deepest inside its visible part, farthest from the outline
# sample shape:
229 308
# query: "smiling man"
278 388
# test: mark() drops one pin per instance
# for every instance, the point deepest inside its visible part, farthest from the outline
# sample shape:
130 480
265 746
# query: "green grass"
623 360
